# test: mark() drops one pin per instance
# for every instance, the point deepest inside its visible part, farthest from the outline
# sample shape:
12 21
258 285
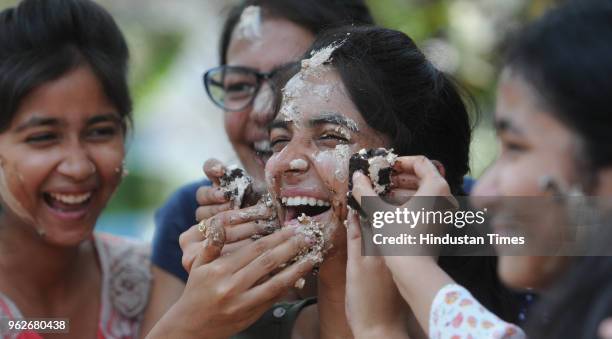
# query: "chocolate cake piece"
237 184
314 253
377 164
313 230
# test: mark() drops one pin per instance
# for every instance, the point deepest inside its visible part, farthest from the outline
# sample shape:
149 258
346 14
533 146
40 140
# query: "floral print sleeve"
456 314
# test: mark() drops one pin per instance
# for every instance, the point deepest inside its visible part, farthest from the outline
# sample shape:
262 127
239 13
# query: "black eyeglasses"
233 88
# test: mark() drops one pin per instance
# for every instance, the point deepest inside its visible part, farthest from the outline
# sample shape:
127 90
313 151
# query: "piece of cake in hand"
377 164
237 184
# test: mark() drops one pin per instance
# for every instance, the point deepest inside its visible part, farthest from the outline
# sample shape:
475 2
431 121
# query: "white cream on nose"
298 165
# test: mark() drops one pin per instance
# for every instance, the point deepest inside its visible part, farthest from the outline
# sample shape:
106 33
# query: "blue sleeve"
468 184
172 219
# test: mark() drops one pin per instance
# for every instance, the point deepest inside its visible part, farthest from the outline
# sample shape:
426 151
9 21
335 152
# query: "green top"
277 322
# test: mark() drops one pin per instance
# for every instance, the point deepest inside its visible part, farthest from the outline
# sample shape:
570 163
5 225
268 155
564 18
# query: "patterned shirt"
456 314
126 282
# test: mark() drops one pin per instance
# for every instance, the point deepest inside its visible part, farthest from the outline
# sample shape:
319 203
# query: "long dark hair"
42 40
404 96
567 57
313 15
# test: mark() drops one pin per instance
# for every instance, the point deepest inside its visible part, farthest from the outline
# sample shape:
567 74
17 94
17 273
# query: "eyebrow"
325 118
36 122
505 125
335 119
41 121
279 124
112 117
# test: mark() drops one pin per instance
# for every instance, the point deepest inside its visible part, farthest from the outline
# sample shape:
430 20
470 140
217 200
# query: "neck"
39 269
331 298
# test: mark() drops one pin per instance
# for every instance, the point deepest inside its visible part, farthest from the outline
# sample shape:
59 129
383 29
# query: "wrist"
176 323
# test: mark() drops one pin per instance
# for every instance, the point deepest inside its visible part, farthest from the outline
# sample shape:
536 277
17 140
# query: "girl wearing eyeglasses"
259 38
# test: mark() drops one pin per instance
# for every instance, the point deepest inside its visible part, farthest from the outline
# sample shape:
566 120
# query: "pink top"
126 281
456 314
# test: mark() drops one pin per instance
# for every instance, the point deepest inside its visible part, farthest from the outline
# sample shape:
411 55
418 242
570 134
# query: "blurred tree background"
176 128
464 38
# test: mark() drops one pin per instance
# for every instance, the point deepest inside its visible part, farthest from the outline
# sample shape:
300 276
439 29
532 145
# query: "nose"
291 163
263 106
77 164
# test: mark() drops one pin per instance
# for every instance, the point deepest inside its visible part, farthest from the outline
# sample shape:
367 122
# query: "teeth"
71 198
299 201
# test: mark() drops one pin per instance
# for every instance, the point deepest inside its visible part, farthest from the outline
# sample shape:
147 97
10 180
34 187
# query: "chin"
528 272
64 238
67 234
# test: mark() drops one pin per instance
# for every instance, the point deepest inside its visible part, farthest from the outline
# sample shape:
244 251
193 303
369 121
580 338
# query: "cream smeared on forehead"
320 57
249 26
301 83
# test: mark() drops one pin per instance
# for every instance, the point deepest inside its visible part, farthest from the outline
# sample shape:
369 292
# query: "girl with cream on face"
553 122
259 38
63 121
360 88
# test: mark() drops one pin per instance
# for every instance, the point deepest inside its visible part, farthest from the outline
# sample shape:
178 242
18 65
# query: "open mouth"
296 206
68 203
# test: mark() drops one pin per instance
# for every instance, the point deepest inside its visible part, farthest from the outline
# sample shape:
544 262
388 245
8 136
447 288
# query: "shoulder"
455 310
181 205
186 194
126 270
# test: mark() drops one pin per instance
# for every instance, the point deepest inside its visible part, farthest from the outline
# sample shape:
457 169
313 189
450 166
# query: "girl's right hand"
226 294
212 199
239 225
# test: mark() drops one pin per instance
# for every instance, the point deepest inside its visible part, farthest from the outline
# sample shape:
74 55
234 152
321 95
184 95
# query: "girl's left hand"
374 307
418 290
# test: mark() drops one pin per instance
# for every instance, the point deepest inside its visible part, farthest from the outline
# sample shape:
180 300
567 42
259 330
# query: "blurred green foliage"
137 192
465 27
472 33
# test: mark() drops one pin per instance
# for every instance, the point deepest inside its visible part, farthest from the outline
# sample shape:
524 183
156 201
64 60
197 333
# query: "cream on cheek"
263 102
334 163
7 196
